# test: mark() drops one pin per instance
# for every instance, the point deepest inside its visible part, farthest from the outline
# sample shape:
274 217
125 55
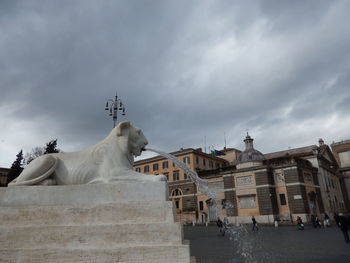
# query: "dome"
250 154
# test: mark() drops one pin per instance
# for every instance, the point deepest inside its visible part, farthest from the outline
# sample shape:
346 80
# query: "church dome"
250 154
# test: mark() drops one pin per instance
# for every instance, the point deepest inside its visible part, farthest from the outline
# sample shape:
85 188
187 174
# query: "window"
247 202
138 169
217 165
146 168
176 176
325 182
155 167
176 192
186 160
185 176
197 160
201 205
204 162
174 165
307 177
165 165
283 200
336 200
211 164
177 204
344 158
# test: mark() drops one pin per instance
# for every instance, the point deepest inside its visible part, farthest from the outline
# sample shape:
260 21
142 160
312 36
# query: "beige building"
190 205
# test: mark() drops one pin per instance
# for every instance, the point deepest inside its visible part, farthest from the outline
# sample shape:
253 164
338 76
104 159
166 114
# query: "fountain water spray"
202 184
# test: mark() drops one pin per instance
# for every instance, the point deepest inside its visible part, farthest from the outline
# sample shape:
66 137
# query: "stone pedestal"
124 222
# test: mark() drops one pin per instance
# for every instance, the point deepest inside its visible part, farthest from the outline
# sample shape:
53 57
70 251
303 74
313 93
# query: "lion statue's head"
123 143
132 138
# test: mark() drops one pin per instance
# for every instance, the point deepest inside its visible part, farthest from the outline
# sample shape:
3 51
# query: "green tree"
51 147
16 167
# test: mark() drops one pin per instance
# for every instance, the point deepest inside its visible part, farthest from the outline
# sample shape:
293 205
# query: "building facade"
275 186
341 151
280 188
322 158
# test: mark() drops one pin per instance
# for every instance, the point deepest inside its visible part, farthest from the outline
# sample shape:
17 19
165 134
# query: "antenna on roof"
225 140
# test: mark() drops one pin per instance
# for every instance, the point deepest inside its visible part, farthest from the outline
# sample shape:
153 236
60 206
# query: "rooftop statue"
108 161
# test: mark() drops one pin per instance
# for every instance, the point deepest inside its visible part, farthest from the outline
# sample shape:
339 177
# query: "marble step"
89 236
128 254
122 212
86 194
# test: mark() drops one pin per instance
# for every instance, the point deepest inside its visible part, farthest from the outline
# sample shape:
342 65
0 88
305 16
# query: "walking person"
220 225
255 224
313 221
336 219
326 220
318 222
300 223
343 225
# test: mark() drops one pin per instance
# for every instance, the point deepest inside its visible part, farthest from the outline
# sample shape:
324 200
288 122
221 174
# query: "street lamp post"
113 106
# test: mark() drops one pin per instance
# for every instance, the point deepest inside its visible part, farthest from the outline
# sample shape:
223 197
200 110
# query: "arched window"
176 192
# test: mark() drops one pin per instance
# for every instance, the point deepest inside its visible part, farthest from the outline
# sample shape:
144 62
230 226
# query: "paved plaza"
269 244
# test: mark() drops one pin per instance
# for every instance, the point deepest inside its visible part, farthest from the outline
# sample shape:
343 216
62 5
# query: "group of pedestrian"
341 221
223 225
315 221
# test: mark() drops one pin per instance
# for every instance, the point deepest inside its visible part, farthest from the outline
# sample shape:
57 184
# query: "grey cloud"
185 70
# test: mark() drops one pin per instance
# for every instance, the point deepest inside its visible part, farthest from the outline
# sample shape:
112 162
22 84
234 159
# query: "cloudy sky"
186 71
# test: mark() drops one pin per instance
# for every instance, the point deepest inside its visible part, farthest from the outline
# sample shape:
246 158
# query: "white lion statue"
108 161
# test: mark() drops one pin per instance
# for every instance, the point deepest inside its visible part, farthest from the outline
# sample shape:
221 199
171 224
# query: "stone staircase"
127 222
